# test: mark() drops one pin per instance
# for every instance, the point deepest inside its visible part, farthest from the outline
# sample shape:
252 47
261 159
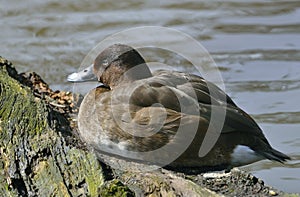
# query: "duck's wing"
152 111
206 92
208 96
184 93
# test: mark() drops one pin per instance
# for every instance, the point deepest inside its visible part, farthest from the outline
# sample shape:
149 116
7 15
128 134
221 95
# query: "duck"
164 117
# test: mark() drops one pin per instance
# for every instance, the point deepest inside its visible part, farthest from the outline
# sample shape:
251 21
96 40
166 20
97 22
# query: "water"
256 45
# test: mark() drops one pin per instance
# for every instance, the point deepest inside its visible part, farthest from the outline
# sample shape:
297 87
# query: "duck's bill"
86 74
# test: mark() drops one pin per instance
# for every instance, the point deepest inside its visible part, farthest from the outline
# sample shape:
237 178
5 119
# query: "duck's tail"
275 155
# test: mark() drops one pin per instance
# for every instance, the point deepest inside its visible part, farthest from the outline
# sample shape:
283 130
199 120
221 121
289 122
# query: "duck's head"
117 64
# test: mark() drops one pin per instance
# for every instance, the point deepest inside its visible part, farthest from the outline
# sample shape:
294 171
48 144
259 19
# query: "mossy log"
35 159
41 155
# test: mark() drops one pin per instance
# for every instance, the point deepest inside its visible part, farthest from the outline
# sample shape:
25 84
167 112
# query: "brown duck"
163 117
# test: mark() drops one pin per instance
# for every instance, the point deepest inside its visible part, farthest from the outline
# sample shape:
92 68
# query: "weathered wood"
35 159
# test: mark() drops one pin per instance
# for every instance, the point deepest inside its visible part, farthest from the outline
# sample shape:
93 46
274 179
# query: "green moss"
48 180
35 159
19 108
20 121
116 188
5 189
85 168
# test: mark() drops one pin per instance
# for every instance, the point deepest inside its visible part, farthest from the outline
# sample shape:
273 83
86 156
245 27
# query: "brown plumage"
136 112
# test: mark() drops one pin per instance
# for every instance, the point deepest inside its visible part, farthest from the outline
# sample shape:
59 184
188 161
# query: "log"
35 157
41 154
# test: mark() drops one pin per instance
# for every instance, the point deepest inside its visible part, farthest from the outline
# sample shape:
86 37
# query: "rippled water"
256 45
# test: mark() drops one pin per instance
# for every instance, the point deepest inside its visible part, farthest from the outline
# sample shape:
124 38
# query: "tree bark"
35 158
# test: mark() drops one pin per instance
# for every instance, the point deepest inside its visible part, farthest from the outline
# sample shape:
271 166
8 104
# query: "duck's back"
173 110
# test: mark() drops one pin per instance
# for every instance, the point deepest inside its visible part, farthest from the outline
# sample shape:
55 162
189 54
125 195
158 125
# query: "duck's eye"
85 71
105 63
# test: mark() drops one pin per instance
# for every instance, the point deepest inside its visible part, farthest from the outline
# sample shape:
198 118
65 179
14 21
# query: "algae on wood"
35 159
